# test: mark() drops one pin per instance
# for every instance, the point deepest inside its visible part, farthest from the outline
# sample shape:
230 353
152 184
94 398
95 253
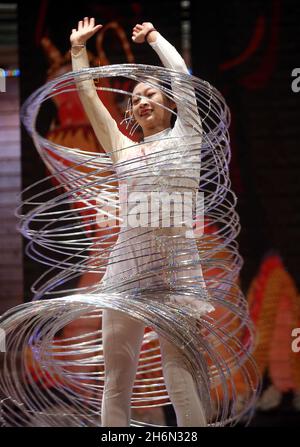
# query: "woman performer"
122 335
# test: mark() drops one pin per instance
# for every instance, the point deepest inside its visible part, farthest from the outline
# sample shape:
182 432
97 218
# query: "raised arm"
187 112
104 126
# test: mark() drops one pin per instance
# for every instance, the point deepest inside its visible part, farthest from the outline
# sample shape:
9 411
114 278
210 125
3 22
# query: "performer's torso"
158 175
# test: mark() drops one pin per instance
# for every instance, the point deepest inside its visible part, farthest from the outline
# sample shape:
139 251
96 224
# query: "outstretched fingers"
97 27
90 23
86 28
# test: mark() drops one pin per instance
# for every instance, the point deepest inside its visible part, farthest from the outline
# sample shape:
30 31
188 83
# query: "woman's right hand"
86 29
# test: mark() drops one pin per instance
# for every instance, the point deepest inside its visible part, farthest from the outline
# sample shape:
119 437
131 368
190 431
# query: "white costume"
142 258
143 255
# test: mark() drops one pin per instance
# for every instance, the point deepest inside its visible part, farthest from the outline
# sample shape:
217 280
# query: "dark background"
265 131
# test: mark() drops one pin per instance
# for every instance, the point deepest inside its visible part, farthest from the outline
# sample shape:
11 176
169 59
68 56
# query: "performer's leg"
122 338
181 387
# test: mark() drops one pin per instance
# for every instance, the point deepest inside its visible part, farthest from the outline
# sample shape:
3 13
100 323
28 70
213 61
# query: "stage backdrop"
248 50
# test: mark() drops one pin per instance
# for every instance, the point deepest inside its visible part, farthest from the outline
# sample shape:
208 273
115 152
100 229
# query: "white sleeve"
187 111
104 126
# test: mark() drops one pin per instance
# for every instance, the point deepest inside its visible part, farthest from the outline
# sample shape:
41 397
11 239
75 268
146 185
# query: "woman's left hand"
139 31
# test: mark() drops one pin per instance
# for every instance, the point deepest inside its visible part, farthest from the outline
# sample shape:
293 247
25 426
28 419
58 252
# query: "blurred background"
249 51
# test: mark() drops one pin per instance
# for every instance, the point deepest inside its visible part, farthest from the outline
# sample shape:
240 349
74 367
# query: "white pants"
122 339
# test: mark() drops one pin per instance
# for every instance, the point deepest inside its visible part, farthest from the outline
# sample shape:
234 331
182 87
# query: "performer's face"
148 112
